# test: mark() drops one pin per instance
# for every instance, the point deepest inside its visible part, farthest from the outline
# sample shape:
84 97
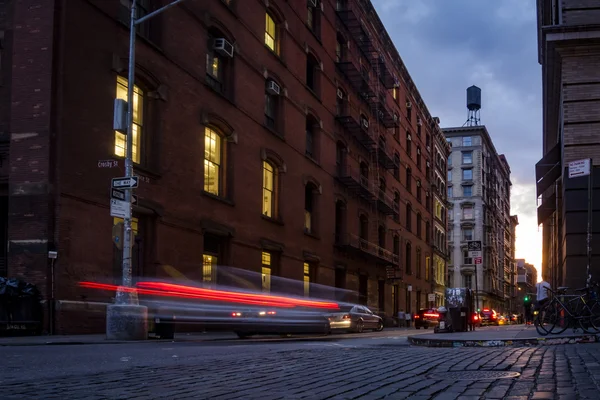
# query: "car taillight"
236 314
417 317
271 312
346 316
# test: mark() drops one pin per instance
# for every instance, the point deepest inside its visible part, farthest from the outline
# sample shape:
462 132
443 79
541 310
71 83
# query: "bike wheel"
587 320
545 319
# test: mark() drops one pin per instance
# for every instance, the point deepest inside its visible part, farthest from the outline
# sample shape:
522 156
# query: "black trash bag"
13 288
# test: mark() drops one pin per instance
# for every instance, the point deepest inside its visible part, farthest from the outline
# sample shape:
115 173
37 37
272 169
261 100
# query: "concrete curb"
521 342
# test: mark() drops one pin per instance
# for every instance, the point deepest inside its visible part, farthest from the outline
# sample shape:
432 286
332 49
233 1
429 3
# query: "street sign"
108 163
120 209
474 248
579 168
125 183
120 195
478 260
431 296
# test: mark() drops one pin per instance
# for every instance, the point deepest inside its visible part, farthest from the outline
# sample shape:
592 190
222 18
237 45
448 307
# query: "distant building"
569 44
526 280
479 192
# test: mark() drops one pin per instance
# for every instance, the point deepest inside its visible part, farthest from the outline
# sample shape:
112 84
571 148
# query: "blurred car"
476 319
355 318
426 318
489 317
257 321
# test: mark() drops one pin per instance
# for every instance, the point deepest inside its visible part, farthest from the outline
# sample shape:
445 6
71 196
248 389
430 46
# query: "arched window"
312 70
269 208
381 236
363 227
272 103
340 221
217 61
271 33
408 258
138 121
419 223
418 265
213 166
311 136
409 217
397 166
409 180
309 207
340 48
340 102
396 206
340 158
408 144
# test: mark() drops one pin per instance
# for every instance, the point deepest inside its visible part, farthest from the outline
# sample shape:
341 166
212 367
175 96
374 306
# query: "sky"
448 46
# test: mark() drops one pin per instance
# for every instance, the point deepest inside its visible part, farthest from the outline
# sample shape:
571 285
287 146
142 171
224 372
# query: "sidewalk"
179 337
101 339
495 336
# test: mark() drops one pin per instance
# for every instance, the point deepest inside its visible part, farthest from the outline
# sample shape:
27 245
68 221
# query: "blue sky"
449 45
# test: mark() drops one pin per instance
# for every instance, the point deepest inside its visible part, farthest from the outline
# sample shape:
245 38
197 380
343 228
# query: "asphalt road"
367 366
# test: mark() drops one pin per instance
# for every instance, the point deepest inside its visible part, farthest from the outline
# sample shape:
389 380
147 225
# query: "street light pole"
126 319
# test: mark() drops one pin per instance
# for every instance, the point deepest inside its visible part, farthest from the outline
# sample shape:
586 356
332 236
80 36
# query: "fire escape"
366 72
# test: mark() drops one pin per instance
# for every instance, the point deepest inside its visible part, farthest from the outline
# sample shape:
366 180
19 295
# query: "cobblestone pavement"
348 370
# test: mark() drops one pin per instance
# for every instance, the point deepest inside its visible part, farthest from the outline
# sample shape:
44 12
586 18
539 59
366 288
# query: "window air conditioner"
429 149
408 137
365 123
273 88
312 3
408 104
340 94
223 47
395 117
419 122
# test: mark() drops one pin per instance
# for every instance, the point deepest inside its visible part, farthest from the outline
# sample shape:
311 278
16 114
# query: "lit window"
138 106
268 190
212 161
310 20
271 33
134 224
266 272
395 93
209 264
306 279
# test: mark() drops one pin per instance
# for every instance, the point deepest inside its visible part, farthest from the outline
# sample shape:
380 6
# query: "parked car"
426 318
489 317
355 318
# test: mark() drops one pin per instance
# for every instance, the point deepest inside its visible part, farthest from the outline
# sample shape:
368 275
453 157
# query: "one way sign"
125 183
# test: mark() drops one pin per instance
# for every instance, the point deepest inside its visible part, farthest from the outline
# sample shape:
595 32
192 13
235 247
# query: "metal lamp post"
126 319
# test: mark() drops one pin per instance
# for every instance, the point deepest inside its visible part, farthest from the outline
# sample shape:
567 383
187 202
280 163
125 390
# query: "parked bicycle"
564 310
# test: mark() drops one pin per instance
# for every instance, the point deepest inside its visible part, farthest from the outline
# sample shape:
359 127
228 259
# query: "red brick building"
283 137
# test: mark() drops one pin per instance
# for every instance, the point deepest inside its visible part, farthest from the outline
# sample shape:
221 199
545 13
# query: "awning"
548 169
546 209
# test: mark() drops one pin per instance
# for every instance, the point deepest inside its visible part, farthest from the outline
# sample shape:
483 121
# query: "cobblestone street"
361 369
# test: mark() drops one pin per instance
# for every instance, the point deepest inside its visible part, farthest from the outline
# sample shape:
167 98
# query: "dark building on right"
569 52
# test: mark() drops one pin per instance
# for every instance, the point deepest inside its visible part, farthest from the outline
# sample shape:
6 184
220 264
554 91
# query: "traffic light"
526 300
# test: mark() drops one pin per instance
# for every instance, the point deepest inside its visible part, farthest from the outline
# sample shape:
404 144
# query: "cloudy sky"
449 45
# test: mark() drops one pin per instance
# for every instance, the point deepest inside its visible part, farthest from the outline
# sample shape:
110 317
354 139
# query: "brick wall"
30 146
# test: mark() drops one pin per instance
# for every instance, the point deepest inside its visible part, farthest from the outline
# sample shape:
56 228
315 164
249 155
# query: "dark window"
408 259
409 217
419 223
408 180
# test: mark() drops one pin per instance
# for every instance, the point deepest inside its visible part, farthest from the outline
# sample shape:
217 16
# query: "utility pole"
126 319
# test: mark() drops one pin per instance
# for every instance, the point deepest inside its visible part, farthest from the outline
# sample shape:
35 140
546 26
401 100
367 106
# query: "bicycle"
564 310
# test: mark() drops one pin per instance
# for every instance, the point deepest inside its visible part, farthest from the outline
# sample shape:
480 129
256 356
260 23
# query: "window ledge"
277 221
312 159
312 235
220 94
277 56
218 198
274 132
312 91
